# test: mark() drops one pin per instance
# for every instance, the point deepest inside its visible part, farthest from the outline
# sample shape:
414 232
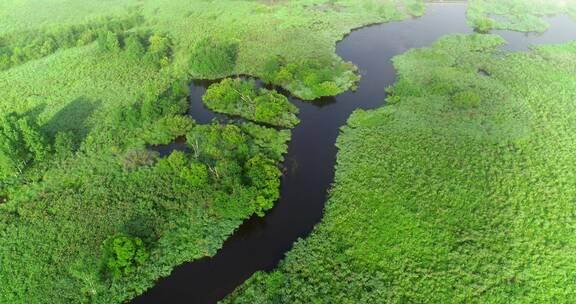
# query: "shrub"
108 42
484 25
196 174
63 144
122 255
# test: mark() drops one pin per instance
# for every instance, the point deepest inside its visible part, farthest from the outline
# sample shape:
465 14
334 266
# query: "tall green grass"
99 112
461 190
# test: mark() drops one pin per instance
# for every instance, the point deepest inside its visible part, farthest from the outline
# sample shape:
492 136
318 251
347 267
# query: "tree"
122 255
137 158
272 67
263 175
196 174
150 110
159 50
20 144
35 142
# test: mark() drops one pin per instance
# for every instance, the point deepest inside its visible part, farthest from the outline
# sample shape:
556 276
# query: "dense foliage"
190 202
24 46
211 59
122 255
154 49
244 99
518 15
87 86
20 144
461 190
310 79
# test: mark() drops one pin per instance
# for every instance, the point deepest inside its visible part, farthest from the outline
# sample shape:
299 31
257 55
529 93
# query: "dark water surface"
260 243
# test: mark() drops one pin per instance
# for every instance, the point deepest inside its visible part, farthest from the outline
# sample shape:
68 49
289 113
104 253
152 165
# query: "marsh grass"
99 109
517 15
460 191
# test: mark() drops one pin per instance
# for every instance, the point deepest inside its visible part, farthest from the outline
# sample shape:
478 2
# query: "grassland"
517 15
460 190
87 213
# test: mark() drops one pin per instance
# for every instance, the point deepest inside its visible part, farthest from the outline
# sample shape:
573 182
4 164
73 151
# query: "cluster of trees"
152 48
122 255
243 98
312 78
152 109
21 47
21 143
211 58
228 155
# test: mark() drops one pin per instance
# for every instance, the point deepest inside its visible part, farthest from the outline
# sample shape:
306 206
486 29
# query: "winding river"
260 243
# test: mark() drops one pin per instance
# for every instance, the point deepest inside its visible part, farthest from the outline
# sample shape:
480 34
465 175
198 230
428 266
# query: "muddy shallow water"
260 243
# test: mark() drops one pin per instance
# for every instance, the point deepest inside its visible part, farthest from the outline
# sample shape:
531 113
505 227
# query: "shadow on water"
260 243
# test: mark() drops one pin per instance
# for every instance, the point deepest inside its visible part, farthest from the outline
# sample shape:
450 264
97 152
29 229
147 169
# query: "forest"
460 188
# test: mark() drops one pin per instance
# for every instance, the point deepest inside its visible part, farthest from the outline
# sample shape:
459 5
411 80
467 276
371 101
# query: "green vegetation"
211 59
122 254
311 79
18 48
154 49
460 190
110 216
243 98
20 144
517 15
241 40
88 213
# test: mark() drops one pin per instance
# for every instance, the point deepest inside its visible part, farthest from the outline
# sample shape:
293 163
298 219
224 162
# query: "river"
260 243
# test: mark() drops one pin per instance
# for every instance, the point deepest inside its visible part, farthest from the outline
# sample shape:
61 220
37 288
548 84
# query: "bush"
196 174
122 255
108 42
484 25
466 99
63 144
